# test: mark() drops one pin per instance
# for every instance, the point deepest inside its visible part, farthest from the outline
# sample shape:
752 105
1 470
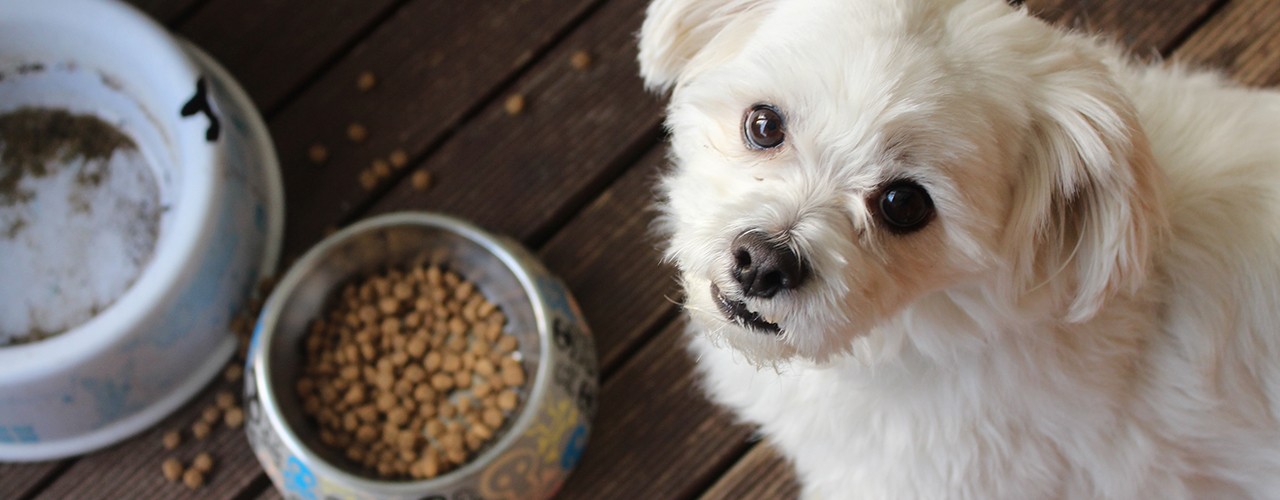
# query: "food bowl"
528 459
167 334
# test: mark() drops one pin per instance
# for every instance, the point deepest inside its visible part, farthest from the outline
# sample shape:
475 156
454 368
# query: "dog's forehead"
852 60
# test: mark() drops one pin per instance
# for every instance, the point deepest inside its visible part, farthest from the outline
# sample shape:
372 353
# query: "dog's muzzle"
737 311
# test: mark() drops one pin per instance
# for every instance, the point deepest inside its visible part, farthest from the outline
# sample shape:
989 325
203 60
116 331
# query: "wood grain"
761 473
578 130
655 435
609 258
19 480
1146 27
1243 39
132 469
273 46
434 61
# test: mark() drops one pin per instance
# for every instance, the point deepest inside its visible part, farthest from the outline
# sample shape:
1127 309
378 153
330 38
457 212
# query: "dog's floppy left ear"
675 31
1089 205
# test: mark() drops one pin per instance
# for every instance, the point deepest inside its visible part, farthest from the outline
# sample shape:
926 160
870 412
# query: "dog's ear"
1088 208
675 31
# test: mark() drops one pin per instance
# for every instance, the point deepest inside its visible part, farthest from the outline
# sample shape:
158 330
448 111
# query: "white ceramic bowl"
167 335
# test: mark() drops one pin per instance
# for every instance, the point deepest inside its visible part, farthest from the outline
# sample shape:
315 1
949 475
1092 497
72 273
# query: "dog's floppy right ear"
675 31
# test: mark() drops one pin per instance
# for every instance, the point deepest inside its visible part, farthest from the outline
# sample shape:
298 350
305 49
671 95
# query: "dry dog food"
318 153
580 60
421 180
514 104
80 215
357 133
409 373
366 81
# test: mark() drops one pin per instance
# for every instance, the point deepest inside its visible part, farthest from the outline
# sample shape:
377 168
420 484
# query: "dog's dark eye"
763 127
906 206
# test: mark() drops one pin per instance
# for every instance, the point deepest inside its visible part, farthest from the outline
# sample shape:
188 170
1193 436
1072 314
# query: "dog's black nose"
763 267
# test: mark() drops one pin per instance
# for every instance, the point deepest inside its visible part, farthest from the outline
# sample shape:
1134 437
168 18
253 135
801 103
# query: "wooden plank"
434 62
132 469
1146 27
761 473
165 11
570 137
1243 39
609 259
655 435
20 480
272 46
271 493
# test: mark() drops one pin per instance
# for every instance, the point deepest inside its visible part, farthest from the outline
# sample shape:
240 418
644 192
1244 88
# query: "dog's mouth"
737 311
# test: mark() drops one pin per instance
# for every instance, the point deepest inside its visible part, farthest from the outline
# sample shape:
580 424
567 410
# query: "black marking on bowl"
199 103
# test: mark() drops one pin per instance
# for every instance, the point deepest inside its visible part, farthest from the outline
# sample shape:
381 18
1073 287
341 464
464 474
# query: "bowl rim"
511 257
173 259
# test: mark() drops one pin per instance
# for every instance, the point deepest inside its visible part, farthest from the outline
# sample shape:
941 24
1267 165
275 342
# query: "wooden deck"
571 177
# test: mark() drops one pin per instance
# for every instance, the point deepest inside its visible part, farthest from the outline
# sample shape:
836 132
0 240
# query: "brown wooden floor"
571 177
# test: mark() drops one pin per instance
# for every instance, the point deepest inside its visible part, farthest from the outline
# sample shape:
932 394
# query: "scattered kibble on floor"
357 133
398 158
225 400
318 153
234 417
201 429
203 462
211 415
172 469
580 60
366 81
172 439
233 372
515 104
381 168
193 479
368 180
421 180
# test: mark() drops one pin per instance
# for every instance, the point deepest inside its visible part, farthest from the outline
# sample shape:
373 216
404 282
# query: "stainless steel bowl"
529 459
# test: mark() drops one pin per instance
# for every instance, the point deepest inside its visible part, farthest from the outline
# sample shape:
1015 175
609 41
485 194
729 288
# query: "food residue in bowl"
409 374
79 219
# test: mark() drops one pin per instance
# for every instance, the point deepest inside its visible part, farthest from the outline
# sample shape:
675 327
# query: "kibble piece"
507 344
172 469
225 399
357 133
366 81
234 417
507 400
442 382
233 372
580 60
421 180
398 158
381 168
172 439
201 429
211 415
484 367
493 418
512 373
368 180
193 479
514 104
203 462
317 153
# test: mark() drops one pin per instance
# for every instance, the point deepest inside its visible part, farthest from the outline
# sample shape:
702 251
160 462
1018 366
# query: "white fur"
1093 313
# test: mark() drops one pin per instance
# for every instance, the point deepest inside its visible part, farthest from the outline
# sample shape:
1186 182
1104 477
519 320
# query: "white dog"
939 249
